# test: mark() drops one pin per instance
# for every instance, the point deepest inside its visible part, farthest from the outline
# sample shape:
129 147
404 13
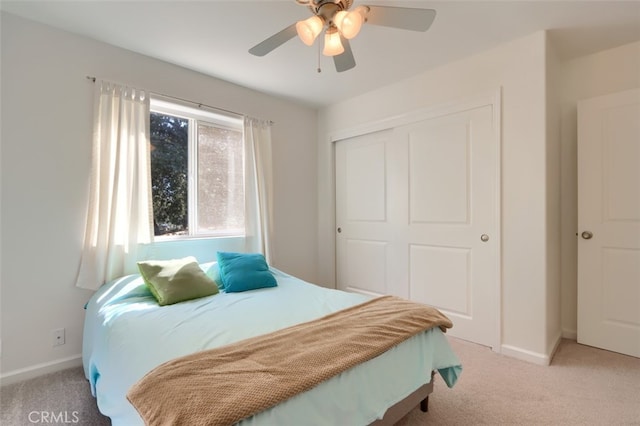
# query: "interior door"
417 216
609 222
369 207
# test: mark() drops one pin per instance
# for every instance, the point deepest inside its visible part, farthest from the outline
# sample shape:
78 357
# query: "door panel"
365 236
442 150
432 189
428 264
365 169
367 272
609 222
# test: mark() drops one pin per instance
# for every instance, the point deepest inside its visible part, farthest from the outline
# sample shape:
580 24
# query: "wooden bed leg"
424 405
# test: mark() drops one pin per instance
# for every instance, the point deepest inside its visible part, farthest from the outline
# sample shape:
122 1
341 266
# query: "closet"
417 213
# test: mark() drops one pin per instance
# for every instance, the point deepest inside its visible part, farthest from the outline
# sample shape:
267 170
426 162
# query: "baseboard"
37 370
526 355
530 356
569 334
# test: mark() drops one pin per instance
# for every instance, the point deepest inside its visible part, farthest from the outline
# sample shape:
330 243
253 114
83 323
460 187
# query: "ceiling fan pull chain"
319 69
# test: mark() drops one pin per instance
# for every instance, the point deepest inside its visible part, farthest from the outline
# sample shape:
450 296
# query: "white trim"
497 123
569 334
491 98
525 355
530 356
37 370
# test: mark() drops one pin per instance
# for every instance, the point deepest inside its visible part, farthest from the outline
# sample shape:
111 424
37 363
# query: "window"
197 172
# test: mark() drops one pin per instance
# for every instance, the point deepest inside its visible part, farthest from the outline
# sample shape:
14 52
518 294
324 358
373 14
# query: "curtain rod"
198 104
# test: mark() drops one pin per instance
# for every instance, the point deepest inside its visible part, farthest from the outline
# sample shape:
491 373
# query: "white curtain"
119 216
259 186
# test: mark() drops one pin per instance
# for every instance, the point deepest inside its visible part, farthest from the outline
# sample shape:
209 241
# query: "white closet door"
609 222
417 216
370 204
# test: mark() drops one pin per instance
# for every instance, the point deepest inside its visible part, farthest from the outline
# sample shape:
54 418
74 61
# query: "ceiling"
213 37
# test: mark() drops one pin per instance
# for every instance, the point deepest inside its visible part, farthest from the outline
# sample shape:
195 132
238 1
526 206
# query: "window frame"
209 116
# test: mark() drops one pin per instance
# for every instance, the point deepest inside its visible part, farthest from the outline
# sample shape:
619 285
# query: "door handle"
587 235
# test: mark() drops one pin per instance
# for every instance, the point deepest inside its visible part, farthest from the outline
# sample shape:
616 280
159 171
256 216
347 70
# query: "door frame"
492 99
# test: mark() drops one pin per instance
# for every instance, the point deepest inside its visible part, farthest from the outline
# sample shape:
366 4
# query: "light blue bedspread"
127 334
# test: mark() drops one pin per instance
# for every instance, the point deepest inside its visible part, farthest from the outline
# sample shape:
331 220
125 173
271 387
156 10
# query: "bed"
127 335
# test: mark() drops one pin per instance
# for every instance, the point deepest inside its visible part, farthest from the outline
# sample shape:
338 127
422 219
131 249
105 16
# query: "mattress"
127 334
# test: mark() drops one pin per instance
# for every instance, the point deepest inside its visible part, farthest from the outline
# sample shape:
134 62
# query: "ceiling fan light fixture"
332 44
350 23
340 23
309 29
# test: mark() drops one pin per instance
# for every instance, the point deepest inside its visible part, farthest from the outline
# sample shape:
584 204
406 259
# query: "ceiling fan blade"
406 18
274 41
344 61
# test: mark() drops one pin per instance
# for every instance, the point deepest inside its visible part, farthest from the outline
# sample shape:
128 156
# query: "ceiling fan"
340 24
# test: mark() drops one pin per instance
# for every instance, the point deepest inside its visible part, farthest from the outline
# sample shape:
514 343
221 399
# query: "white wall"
519 69
589 76
46 150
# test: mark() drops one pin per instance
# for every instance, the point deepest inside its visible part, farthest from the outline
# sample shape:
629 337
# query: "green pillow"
176 280
244 271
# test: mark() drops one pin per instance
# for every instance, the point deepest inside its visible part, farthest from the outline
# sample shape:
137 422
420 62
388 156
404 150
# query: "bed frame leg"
424 405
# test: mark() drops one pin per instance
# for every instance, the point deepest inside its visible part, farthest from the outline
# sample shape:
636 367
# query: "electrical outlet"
58 336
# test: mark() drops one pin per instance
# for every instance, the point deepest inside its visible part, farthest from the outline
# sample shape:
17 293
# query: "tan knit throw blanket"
224 385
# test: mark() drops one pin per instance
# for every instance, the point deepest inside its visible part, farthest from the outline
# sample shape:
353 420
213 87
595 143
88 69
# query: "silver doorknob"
484 238
587 235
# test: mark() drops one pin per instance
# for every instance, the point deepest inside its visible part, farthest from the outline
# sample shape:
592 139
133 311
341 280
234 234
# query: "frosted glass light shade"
309 29
332 44
349 23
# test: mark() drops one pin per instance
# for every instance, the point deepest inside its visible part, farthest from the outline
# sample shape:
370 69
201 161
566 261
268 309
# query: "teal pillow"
213 272
176 280
244 271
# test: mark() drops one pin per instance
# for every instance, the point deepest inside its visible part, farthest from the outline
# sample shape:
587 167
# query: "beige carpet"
58 398
583 386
